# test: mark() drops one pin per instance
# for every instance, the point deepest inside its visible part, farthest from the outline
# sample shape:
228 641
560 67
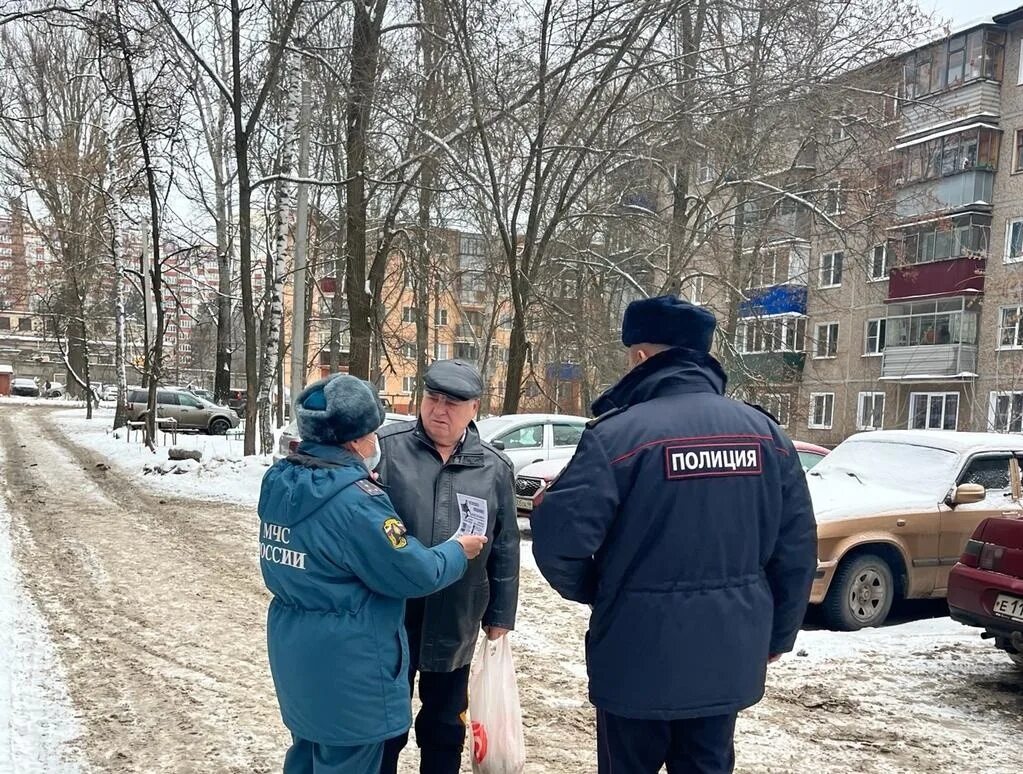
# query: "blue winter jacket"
685 521
340 566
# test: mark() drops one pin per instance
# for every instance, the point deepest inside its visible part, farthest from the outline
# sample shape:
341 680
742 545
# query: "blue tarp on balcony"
777 299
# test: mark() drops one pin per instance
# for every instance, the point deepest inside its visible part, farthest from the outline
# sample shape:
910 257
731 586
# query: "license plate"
1009 607
523 503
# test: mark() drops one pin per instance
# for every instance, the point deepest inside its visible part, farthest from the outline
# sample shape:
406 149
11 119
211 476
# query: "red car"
534 479
985 588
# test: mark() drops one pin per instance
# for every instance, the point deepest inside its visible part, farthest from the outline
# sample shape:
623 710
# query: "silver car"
190 411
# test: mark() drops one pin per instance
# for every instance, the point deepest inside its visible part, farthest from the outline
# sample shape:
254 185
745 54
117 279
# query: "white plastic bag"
498 744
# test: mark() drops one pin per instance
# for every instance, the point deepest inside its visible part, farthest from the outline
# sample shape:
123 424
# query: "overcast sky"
967 10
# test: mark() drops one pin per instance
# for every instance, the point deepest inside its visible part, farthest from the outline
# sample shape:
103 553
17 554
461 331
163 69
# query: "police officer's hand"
472 544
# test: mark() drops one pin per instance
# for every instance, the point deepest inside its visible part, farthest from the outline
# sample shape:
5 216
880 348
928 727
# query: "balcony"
977 98
929 362
465 331
777 299
947 193
774 367
954 277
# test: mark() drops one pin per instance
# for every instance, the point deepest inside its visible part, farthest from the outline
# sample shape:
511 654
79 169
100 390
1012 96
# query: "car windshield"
917 469
490 427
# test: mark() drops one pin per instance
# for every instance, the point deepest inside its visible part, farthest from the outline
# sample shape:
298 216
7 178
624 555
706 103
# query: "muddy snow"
132 636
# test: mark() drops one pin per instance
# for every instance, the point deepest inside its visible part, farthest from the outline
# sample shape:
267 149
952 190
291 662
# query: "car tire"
219 426
861 594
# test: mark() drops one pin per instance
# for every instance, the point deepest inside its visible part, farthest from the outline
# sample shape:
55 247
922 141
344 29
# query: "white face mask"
374 459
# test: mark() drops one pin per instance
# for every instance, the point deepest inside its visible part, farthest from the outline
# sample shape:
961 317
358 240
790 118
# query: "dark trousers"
440 724
305 757
694 746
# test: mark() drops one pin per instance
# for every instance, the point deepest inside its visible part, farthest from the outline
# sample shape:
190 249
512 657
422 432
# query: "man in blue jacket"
340 565
684 520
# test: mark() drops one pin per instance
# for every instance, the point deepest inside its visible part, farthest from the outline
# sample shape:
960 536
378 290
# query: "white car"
529 438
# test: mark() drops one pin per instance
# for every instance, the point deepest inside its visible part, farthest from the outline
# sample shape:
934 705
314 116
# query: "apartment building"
897 300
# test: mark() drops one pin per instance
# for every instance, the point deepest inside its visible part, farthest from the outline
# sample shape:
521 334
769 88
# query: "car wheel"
861 594
219 426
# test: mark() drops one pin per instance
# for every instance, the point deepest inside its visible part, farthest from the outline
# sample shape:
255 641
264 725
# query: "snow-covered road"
147 649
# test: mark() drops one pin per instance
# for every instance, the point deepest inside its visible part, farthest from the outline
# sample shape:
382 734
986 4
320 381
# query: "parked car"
894 509
191 411
24 387
108 392
237 399
289 439
55 390
531 438
533 480
985 587
206 395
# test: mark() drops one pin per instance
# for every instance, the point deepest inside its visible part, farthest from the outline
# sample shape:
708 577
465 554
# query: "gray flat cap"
455 378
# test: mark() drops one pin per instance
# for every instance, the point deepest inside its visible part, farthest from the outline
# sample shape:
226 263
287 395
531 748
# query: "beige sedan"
894 510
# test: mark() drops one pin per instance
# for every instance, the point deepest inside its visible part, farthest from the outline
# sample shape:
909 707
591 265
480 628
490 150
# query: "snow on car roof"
949 440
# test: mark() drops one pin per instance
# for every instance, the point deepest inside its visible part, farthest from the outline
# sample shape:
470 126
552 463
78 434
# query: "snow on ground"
38 727
223 475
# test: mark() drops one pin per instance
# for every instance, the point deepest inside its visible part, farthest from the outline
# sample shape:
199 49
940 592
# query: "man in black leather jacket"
436 470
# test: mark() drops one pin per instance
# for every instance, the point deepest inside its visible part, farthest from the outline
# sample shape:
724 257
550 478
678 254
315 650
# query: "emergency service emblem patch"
396 532
705 460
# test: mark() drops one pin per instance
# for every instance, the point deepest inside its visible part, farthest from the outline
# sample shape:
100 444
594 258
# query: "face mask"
374 459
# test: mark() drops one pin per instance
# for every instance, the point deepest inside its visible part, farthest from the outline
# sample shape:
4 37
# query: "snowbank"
38 726
224 474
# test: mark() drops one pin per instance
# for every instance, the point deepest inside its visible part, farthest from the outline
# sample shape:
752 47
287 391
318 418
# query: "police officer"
340 565
438 472
684 520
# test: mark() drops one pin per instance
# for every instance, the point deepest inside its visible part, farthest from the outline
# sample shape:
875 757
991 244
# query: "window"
870 413
942 321
960 235
765 269
879 263
568 435
408 351
441 351
1006 412
440 316
528 437
1014 241
873 341
770 334
822 410
799 264
704 170
694 289
831 270
991 472
836 198
933 410
188 400
167 398
1017 152
1019 74
779 407
1009 334
408 314
464 351
826 344
949 154
408 385
5 323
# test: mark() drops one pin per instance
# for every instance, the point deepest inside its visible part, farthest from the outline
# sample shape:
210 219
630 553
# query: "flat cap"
670 321
455 378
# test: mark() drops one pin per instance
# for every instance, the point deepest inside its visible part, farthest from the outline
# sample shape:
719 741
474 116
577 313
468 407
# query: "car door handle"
900 523
1012 513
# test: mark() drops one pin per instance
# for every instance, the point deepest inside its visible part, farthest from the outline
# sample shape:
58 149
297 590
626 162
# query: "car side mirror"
499 445
964 494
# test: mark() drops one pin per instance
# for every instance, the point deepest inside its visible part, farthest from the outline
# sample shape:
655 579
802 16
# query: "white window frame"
884 253
408 351
441 351
440 317
695 288
1007 256
704 170
831 279
786 322
992 411
408 314
861 422
408 385
880 339
1018 335
780 406
838 187
914 396
770 279
826 422
817 339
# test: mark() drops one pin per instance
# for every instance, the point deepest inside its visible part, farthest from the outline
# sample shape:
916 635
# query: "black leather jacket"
423 491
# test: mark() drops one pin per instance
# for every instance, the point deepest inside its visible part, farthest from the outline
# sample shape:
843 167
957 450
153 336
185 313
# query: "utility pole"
298 342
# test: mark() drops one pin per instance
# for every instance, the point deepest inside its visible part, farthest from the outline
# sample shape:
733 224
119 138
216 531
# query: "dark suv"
190 411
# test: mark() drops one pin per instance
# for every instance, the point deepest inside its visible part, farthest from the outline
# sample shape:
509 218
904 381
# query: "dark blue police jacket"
685 521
